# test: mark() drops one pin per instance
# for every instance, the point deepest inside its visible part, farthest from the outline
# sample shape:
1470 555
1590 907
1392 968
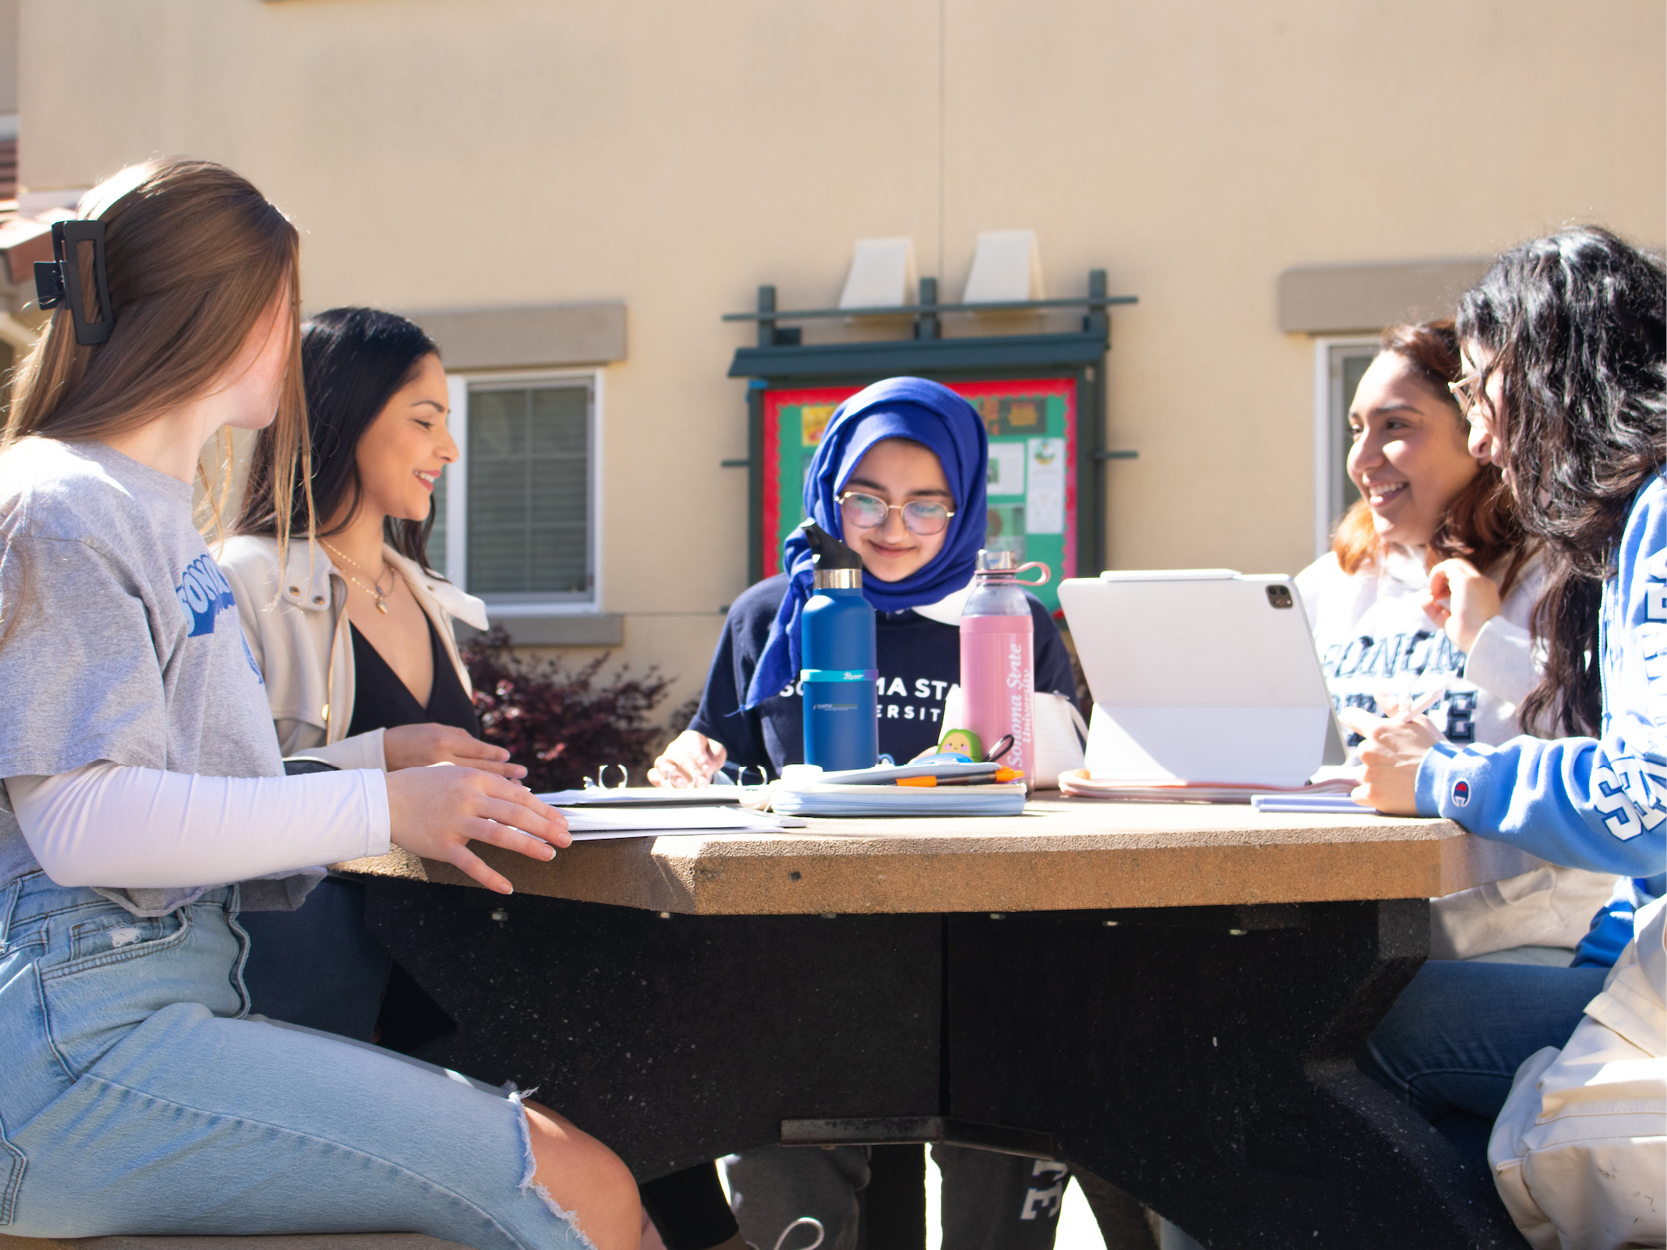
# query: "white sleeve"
1501 661
141 828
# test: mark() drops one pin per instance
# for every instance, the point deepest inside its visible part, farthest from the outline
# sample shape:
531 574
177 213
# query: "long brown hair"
1479 524
195 256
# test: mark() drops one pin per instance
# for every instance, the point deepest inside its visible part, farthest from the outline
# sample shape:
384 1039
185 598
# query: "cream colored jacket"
297 628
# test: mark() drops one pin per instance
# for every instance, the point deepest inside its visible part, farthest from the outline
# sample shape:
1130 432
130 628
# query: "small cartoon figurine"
962 742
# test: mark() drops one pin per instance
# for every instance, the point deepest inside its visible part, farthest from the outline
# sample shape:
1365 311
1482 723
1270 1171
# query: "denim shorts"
136 1097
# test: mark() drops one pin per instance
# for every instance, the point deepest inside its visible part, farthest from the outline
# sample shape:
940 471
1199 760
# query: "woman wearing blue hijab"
898 477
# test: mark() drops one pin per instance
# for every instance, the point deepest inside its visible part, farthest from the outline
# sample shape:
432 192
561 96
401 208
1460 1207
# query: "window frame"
458 387
1329 354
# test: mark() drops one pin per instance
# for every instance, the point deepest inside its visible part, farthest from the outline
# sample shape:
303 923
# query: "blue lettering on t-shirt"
204 593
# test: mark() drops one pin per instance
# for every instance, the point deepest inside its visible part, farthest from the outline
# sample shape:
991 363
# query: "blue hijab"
911 408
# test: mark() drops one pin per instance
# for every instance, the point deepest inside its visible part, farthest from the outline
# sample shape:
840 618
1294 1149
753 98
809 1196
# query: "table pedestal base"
1199 1058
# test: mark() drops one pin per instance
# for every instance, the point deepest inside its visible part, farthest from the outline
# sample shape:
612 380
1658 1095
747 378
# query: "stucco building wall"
673 156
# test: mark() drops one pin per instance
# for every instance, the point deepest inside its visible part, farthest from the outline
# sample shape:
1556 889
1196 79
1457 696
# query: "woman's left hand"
1461 600
1392 752
419 746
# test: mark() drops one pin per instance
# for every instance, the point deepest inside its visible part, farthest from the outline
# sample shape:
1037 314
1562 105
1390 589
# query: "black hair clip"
59 279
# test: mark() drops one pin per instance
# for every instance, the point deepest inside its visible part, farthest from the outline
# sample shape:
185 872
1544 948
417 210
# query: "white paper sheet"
590 824
1045 499
1006 476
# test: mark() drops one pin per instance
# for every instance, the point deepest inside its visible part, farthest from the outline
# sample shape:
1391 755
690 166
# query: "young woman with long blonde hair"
146 802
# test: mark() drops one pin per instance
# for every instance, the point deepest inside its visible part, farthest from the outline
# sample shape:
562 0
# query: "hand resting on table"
435 812
418 746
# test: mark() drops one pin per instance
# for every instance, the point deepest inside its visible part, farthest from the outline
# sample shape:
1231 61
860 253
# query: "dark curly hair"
1573 325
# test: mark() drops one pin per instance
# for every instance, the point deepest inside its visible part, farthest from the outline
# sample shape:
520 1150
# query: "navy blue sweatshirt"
919 661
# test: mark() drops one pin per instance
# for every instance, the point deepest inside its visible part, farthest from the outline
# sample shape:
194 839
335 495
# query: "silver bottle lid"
997 562
837 579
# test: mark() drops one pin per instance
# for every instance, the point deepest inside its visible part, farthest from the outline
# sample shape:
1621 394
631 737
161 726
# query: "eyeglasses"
1464 391
921 516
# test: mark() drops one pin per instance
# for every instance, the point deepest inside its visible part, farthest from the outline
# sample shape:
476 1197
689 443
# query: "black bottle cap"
830 552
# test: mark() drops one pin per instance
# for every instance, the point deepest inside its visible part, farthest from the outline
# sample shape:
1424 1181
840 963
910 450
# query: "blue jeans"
1450 1046
135 1098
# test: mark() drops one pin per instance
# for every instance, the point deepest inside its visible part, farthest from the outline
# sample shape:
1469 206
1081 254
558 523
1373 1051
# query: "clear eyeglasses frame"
1464 391
920 516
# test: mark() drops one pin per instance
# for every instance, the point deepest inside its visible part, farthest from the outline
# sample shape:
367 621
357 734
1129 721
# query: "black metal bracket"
927 307
1236 920
910 1129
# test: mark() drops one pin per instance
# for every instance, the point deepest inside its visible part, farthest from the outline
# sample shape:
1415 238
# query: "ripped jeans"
135 1098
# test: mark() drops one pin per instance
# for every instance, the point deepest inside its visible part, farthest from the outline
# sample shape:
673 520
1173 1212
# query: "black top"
919 661
382 701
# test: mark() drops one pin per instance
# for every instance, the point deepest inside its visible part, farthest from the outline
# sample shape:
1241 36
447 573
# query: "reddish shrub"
564 724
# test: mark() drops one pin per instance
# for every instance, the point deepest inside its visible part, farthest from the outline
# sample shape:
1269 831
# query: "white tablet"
1202 675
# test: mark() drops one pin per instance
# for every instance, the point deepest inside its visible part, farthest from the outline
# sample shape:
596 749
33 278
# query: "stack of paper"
1337 804
589 824
1085 784
818 798
650 796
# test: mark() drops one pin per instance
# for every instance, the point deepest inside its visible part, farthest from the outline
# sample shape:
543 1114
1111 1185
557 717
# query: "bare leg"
583 1176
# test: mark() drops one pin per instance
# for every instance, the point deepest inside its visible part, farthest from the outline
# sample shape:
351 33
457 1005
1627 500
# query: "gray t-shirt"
121 642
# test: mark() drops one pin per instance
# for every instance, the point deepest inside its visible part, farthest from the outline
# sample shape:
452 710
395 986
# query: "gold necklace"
375 588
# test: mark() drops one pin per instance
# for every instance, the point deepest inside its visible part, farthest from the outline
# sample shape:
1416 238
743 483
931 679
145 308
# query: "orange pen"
1001 774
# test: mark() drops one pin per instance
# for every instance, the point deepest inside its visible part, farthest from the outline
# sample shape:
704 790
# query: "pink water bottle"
998 665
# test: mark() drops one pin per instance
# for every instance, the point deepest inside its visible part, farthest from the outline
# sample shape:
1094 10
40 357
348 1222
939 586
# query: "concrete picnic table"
1169 996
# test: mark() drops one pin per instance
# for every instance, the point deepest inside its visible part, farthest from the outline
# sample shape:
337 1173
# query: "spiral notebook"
628 816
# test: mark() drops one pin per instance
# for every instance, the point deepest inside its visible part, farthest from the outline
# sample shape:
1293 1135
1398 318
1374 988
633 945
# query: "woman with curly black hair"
1565 349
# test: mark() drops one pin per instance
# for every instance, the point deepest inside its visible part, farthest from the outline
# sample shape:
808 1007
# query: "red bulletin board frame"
977 392
773 400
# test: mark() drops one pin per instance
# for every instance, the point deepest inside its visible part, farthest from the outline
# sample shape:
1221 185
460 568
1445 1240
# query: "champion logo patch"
1461 793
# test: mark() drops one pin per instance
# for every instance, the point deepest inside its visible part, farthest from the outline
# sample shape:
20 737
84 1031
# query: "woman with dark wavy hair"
1565 349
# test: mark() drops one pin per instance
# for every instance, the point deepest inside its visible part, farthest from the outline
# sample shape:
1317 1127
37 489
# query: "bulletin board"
1031 484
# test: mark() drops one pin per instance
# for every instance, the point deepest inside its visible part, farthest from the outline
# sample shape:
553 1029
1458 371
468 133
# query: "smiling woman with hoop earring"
353 634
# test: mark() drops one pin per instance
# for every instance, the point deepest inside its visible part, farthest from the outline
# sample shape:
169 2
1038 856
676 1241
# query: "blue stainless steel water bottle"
836 634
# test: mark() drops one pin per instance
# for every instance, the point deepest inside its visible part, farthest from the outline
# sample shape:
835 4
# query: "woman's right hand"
692 759
1461 600
418 746
436 812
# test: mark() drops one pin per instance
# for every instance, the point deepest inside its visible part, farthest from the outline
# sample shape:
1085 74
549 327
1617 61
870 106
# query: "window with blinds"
528 470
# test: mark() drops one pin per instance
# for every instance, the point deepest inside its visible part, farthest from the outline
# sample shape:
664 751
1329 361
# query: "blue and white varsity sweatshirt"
1599 804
